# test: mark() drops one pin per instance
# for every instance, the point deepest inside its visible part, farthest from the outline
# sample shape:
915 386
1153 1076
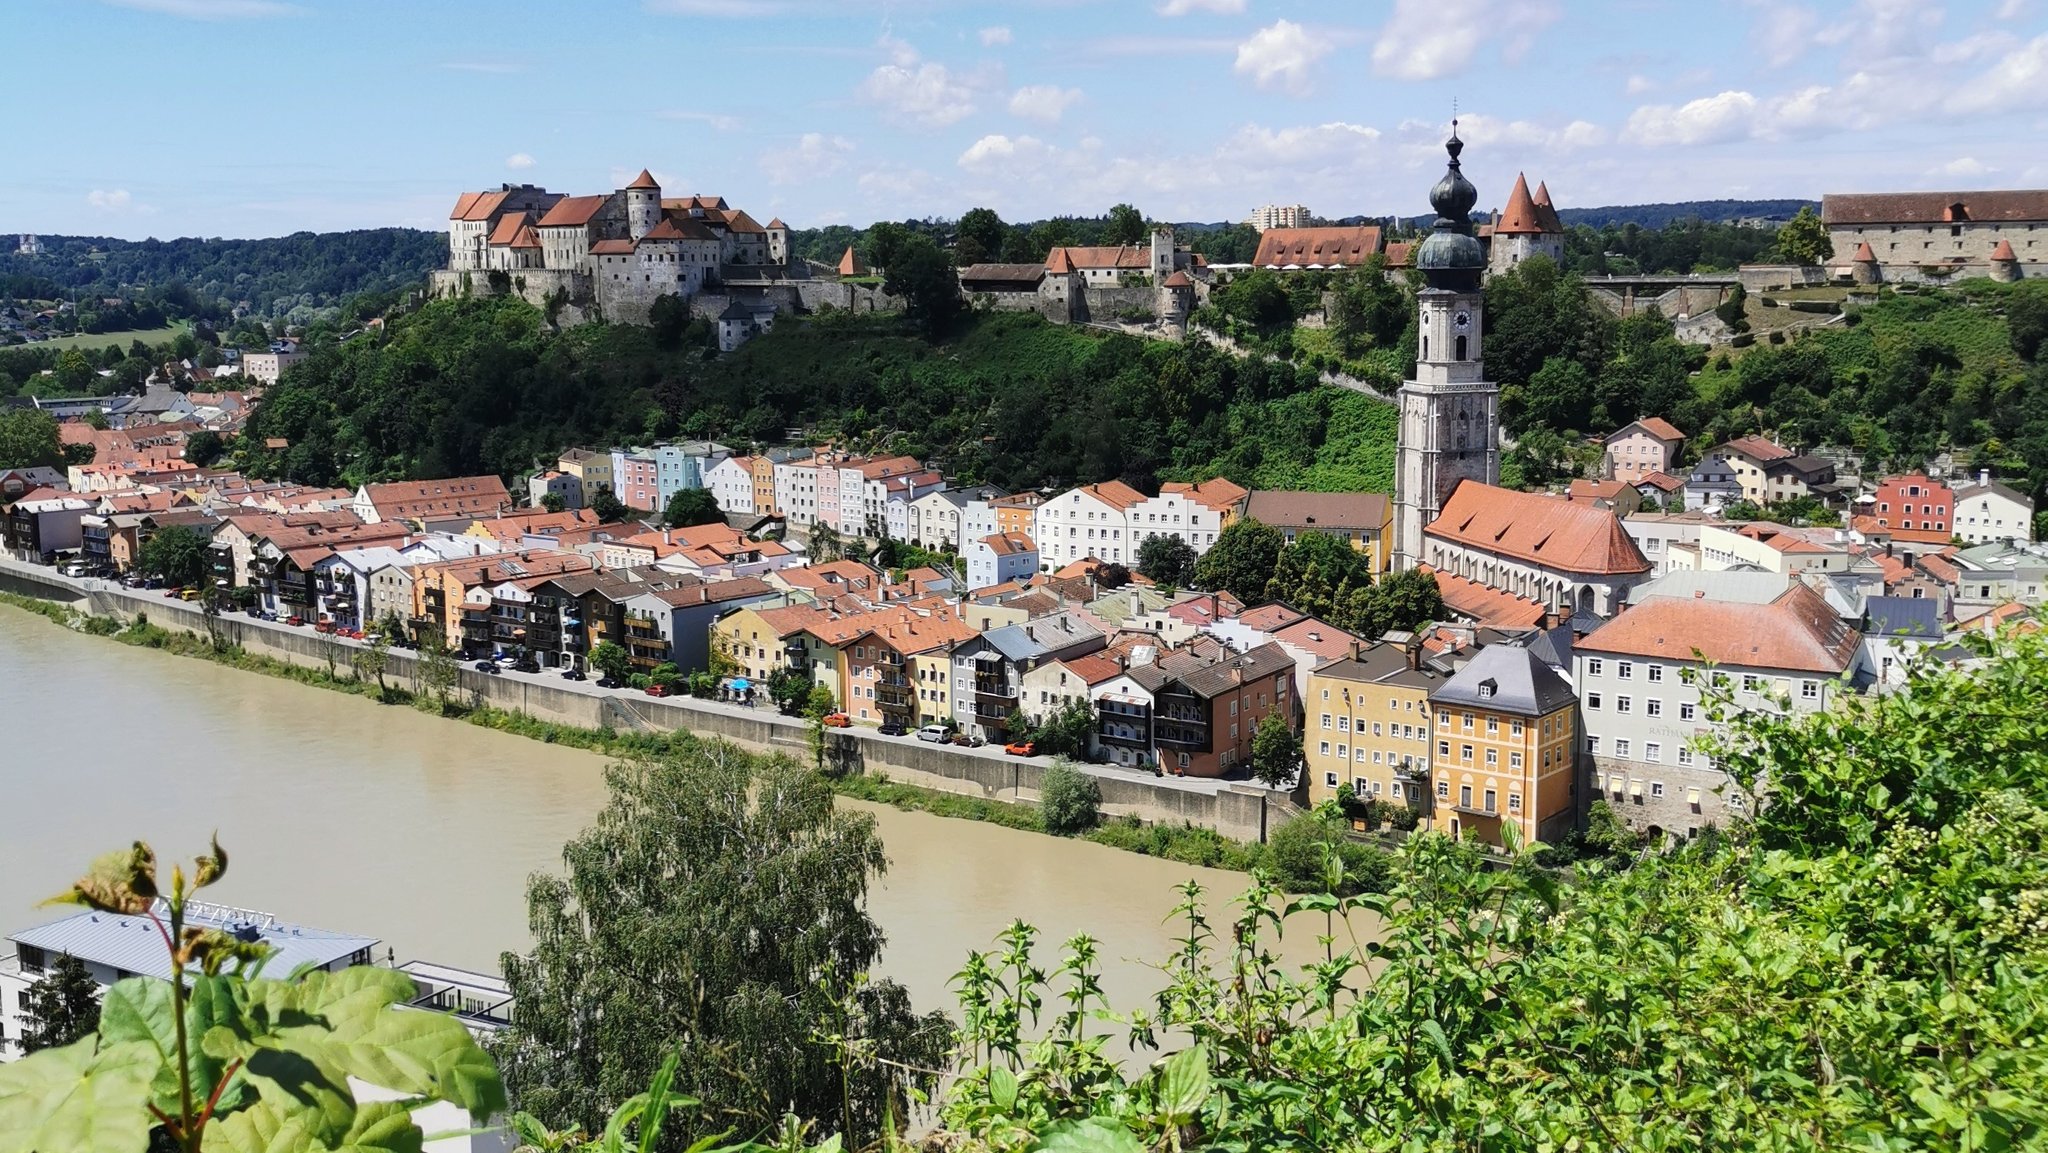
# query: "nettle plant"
222 1058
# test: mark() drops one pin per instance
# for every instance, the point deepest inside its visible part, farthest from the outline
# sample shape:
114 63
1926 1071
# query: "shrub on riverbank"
1069 800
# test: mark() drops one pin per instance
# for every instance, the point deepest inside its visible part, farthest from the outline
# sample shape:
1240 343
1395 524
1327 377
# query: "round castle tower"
643 205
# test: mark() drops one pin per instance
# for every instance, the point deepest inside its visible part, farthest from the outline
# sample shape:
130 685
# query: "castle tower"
643 205
1450 412
1527 227
1162 252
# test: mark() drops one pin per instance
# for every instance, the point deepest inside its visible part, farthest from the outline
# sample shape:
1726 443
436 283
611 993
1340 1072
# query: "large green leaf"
81 1098
303 1090
141 1009
1184 1084
1091 1135
350 1022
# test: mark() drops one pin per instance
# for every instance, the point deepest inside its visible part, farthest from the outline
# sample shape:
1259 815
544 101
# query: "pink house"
1642 447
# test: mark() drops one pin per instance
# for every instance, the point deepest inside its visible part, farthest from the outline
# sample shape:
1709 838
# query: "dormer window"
1487 688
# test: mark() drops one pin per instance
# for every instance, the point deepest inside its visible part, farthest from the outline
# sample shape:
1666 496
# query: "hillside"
277 276
483 386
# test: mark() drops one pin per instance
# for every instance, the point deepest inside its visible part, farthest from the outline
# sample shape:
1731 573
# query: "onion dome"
1451 257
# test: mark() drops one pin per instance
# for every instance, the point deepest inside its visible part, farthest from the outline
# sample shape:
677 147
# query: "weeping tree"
716 910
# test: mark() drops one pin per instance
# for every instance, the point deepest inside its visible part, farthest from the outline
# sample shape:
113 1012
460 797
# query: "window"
1493 756
1375 728
1751 683
1809 690
1621 746
1656 673
1464 796
1515 729
1684 754
1493 726
1343 724
1686 709
1653 707
1621 704
1656 788
1593 665
1326 716
1323 749
1330 779
1592 745
1592 700
1626 670
1492 800
1514 802
1466 718
1465 752
1653 752
1443 718
1343 752
1443 790
1443 748
1514 760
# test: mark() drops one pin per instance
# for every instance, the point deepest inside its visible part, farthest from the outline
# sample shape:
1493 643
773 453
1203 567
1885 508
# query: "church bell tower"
1450 412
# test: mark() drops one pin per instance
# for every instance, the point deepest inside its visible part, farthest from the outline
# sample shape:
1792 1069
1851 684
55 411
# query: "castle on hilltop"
612 255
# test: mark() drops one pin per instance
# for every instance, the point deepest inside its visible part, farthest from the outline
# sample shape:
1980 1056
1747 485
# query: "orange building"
1506 734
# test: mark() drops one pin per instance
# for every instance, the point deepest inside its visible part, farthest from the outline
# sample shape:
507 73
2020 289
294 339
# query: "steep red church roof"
1561 535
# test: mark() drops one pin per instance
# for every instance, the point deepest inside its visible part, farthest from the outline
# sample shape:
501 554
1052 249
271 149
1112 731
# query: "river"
357 817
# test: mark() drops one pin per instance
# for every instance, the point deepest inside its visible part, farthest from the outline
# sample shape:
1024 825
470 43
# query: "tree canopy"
692 506
176 555
29 439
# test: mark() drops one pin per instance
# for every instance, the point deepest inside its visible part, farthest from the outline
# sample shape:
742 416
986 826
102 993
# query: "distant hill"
306 270
1660 215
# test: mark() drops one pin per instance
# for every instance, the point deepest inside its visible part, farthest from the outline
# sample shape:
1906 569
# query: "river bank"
1185 843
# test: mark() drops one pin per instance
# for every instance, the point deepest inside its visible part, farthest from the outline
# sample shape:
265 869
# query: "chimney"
1356 646
1414 653
1983 476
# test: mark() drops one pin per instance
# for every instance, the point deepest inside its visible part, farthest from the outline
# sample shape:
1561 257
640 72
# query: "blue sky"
261 117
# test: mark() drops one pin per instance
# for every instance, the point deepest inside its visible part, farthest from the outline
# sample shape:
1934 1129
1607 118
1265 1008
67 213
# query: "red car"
837 721
1021 748
657 690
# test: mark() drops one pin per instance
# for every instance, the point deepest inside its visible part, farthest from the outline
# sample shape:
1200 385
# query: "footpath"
1242 811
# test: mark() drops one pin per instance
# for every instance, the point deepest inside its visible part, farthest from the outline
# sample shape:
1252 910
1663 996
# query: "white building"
1088 521
1640 680
731 482
796 490
1279 216
999 557
1196 513
1988 512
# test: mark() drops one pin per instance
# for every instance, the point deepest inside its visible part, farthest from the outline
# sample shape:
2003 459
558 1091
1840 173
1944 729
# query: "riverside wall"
1240 812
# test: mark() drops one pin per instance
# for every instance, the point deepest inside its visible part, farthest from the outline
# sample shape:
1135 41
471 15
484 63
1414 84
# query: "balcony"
995 690
1129 736
991 715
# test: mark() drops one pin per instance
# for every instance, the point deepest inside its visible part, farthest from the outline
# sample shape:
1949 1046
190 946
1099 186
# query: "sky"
163 118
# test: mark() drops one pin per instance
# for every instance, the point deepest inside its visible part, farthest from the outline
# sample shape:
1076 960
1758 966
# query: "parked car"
526 665
1021 748
488 667
573 675
967 741
294 621
173 591
892 729
936 734
657 690
837 721
610 683
189 594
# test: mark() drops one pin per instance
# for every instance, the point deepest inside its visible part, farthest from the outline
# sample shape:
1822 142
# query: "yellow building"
762 466
762 640
1506 733
1368 726
592 470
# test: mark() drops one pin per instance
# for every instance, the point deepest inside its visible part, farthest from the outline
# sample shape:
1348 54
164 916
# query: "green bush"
1069 800
1313 854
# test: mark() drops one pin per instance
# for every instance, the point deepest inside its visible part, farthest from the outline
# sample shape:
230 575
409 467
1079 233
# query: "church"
1450 512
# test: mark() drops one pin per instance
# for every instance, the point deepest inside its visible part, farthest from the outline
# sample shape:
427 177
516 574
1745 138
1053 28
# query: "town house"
1506 742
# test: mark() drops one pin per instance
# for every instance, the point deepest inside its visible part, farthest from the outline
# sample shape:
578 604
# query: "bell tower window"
1461 348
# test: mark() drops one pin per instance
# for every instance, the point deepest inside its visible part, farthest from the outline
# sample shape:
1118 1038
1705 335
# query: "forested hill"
306 270
1661 215
469 386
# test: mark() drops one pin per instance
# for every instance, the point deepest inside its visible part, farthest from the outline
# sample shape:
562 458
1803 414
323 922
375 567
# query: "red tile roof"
850 264
573 211
1551 220
644 180
1401 254
1663 482
1555 534
1268 617
1009 543
1180 279
1055 261
1122 256
2003 251
1758 449
1348 245
1520 217
1483 604
477 205
1799 631
1656 426
1864 255
508 227
1933 207
1318 638
1215 493
612 247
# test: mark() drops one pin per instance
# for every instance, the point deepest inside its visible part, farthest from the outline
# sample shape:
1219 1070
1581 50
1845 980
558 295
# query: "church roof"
1560 535
1521 216
644 180
573 211
1349 246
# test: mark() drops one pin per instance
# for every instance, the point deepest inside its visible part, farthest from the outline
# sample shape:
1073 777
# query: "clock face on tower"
1462 321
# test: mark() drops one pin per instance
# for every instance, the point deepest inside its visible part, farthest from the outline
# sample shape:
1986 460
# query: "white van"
936 734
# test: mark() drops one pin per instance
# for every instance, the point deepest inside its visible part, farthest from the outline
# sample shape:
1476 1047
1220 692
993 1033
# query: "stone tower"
1450 412
643 205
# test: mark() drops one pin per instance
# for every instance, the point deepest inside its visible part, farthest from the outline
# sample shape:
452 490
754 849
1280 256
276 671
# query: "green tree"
29 439
1167 560
374 660
1256 299
95 418
1316 571
608 507
1399 601
437 669
928 284
75 374
1067 730
1276 751
1069 800
885 242
203 447
1242 560
979 236
59 1007
825 544
789 689
611 660
1804 238
1368 309
1734 310
1126 225
2026 319
553 502
692 506
719 897
217 1058
176 555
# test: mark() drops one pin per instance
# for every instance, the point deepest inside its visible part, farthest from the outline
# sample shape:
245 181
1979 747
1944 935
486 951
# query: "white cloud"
814 155
519 160
117 201
1280 55
1782 35
209 9
1729 115
2011 9
2020 80
1637 85
1962 166
997 149
923 91
996 35
1183 7
1046 102
1422 41
719 121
